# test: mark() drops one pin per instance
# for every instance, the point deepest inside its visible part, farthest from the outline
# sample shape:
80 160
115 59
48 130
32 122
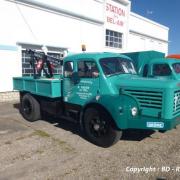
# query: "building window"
113 39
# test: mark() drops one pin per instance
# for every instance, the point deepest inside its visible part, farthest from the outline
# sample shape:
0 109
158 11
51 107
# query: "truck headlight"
134 111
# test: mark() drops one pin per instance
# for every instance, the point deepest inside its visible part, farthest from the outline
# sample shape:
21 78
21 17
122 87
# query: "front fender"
118 106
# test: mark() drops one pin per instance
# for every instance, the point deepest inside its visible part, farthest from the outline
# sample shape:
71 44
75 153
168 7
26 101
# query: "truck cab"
162 68
104 94
154 64
88 76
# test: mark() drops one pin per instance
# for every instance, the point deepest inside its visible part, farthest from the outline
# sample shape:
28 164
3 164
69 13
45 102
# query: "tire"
99 129
30 108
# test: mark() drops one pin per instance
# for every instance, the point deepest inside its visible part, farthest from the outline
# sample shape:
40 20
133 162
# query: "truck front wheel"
99 128
30 108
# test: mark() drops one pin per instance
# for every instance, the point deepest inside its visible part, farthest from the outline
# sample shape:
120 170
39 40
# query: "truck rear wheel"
30 108
99 128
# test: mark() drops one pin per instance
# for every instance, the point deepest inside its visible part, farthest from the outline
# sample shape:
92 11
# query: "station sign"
115 14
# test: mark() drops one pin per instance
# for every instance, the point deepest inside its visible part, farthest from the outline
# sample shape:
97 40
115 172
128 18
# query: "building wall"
145 34
34 23
10 66
62 24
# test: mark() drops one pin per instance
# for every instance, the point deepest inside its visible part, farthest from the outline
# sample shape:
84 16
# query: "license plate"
155 124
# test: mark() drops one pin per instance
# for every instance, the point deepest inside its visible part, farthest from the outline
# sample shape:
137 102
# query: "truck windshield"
116 65
176 67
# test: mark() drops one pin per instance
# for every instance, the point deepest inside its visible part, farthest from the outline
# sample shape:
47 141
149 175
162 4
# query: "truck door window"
87 69
161 70
68 69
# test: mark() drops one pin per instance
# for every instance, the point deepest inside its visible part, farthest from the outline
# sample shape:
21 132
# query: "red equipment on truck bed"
175 56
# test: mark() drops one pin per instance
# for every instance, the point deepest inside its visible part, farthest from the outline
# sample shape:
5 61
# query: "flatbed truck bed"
48 87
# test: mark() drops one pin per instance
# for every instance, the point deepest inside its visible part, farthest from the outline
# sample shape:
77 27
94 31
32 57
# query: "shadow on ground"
16 106
136 134
128 135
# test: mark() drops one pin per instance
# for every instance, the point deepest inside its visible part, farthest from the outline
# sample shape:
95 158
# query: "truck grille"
147 99
176 106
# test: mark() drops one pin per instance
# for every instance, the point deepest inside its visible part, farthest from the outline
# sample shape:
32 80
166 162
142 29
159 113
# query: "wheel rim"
27 108
98 127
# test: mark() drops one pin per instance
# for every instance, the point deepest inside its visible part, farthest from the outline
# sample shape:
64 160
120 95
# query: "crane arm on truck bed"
39 60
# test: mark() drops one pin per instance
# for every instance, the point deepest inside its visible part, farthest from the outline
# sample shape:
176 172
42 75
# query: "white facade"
62 24
145 34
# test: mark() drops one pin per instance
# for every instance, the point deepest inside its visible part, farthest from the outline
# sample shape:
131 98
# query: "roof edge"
148 20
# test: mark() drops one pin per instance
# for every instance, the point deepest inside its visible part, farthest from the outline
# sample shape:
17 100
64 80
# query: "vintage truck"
102 92
154 64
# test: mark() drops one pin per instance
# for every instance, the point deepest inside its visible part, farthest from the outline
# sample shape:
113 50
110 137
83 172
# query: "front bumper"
152 123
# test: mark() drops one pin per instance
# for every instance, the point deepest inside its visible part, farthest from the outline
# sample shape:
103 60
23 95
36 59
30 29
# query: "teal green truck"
103 93
154 64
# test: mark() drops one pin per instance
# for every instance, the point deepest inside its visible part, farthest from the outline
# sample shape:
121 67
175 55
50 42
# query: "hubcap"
98 127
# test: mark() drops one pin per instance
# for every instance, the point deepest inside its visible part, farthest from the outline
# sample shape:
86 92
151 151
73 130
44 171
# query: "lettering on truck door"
83 84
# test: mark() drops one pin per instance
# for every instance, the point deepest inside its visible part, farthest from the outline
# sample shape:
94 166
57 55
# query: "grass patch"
20 138
39 151
41 133
8 142
64 145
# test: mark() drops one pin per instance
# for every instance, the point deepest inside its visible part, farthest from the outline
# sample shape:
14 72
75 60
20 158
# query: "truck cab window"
114 66
145 70
161 70
68 69
176 67
87 69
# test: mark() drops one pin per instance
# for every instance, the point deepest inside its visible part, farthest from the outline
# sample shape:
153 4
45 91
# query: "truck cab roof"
95 56
163 61
164 67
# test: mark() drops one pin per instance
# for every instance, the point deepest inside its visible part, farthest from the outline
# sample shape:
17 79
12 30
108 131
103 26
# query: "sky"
165 12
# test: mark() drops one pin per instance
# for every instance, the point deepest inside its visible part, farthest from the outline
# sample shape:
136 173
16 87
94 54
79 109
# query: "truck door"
81 81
